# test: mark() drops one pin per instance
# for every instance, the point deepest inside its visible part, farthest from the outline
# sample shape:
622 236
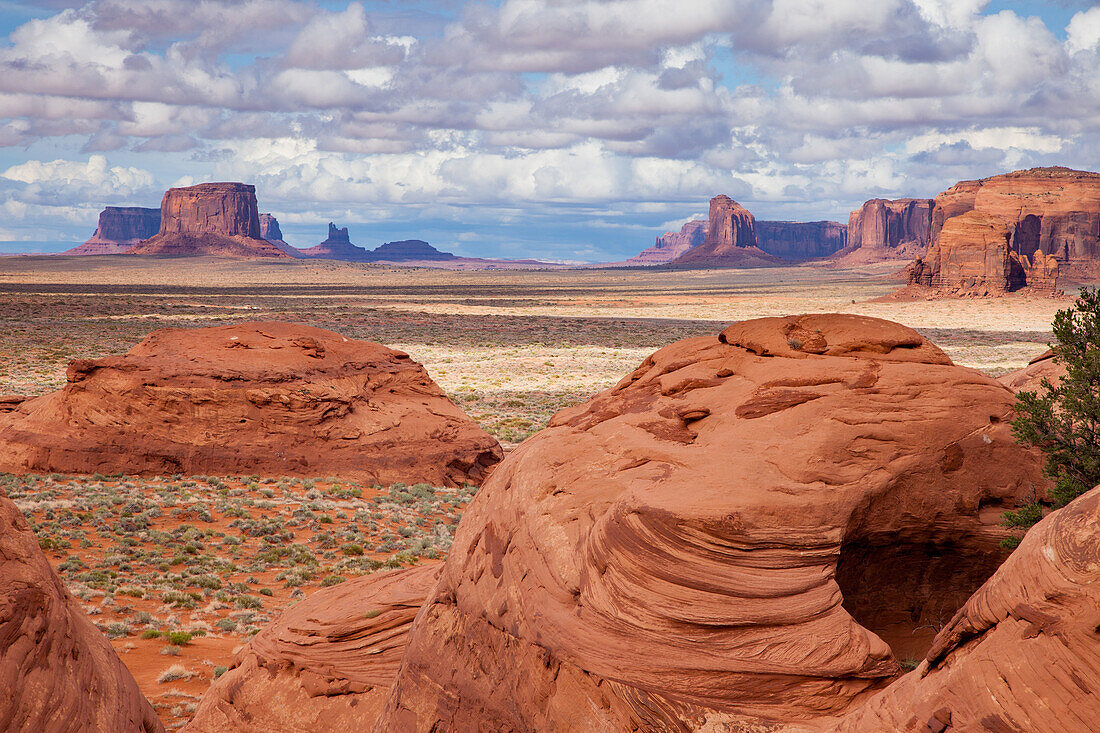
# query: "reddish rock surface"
1022 654
730 240
753 526
888 230
58 672
209 219
671 245
408 250
973 255
801 240
327 664
337 246
1030 377
269 230
120 228
270 398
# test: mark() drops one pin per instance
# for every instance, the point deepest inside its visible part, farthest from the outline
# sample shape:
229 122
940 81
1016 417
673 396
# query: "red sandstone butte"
730 240
58 673
671 245
209 219
326 664
269 230
120 228
888 230
269 398
753 527
337 246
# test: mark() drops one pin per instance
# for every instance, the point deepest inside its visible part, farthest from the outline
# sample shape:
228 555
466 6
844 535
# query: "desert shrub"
175 672
178 638
1063 420
150 634
332 580
219 671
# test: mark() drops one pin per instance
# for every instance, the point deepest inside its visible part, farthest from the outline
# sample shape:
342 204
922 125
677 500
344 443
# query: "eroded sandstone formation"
1030 378
209 219
269 230
271 398
882 229
801 240
974 255
337 246
730 240
671 245
755 526
1021 654
120 228
326 664
58 672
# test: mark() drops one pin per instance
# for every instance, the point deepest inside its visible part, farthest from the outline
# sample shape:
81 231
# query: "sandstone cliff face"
337 246
326 664
801 240
753 526
884 230
973 255
1022 654
269 230
58 672
209 219
730 240
671 245
272 398
120 228
1052 216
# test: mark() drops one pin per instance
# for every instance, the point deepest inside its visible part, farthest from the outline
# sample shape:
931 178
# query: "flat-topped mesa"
209 219
730 240
269 230
671 245
882 229
408 250
1051 217
801 240
120 228
337 246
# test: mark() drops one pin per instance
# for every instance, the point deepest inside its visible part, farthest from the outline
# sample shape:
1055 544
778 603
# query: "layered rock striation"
755 526
671 245
59 673
326 664
278 399
337 246
882 229
120 228
209 219
801 240
730 240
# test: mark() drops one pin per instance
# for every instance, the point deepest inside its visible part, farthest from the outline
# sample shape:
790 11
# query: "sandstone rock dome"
326 664
58 672
755 526
271 398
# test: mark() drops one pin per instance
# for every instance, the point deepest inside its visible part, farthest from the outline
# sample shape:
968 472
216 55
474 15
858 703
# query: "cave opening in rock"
906 591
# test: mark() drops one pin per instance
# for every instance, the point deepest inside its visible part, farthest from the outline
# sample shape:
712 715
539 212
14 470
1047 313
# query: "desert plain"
179 571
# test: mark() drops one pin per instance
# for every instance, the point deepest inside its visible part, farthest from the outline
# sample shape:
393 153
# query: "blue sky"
570 130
